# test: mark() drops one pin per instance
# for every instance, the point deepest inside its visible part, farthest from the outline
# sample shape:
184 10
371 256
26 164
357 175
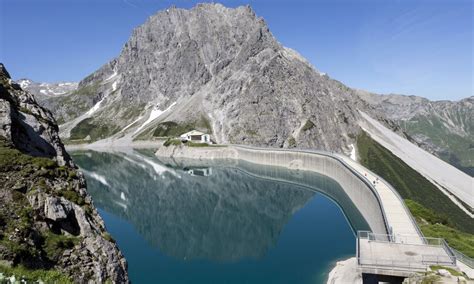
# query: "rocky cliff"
219 70
48 222
443 128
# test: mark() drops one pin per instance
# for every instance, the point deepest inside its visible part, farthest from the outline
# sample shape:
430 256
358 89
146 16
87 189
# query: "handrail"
426 259
402 239
469 261
401 201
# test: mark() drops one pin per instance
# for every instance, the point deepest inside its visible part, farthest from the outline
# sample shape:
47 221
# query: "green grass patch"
29 275
88 127
72 196
108 237
411 185
55 244
171 129
436 226
291 142
449 269
174 129
11 159
194 144
422 213
172 142
430 279
461 241
308 125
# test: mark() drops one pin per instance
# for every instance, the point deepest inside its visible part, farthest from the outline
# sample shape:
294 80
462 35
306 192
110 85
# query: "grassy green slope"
445 219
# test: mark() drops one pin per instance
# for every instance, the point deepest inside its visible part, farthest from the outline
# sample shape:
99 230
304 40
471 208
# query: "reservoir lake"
191 221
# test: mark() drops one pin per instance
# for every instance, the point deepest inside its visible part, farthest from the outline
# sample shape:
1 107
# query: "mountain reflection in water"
224 212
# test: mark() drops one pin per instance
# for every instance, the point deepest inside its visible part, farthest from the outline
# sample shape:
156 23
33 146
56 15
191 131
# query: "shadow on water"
240 218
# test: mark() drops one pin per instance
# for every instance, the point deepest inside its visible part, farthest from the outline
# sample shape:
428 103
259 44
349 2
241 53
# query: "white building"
203 172
196 136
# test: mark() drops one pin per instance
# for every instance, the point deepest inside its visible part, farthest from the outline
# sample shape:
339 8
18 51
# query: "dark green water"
221 222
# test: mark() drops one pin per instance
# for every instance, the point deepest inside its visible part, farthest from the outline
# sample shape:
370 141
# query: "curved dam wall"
303 180
314 181
357 189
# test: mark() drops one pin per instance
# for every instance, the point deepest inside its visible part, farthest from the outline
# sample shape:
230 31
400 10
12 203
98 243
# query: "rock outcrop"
47 218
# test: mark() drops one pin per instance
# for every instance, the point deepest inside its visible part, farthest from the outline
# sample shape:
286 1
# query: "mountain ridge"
242 86
444 128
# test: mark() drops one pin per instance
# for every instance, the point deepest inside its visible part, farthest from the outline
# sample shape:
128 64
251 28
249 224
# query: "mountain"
443 128
47 219
243 86
49 95
45 90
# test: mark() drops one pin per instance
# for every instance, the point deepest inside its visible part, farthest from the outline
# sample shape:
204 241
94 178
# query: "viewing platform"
400 255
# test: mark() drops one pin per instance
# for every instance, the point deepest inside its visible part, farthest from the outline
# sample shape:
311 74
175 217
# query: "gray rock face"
47 218
220 70
31 128
444 128
56 209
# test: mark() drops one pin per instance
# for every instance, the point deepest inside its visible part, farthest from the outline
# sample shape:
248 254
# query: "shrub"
174 142
308 125
30 275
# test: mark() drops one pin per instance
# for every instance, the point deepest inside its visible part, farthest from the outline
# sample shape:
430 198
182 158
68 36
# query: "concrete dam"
351 191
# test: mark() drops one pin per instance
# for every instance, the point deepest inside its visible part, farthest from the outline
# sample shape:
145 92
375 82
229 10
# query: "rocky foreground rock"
47 219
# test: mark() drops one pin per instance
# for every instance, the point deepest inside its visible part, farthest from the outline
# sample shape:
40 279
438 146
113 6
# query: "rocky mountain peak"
219 70
3 72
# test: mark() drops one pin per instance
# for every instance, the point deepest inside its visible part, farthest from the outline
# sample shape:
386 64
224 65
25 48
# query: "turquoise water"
221 222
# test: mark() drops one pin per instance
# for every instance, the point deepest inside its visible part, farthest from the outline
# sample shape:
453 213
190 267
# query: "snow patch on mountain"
95 107
353 152
155 113
132 123
112 76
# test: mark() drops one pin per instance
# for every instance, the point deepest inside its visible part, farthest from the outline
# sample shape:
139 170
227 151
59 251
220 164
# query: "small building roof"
193 132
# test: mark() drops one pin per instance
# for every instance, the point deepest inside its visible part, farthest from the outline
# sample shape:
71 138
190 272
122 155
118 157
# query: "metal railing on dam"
400 255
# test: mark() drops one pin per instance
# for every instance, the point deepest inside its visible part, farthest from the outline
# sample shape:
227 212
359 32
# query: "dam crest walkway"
400 251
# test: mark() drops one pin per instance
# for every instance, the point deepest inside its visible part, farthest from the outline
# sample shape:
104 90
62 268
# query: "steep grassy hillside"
436 214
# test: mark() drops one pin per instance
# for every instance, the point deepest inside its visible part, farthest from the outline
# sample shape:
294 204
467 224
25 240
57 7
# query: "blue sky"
413 47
